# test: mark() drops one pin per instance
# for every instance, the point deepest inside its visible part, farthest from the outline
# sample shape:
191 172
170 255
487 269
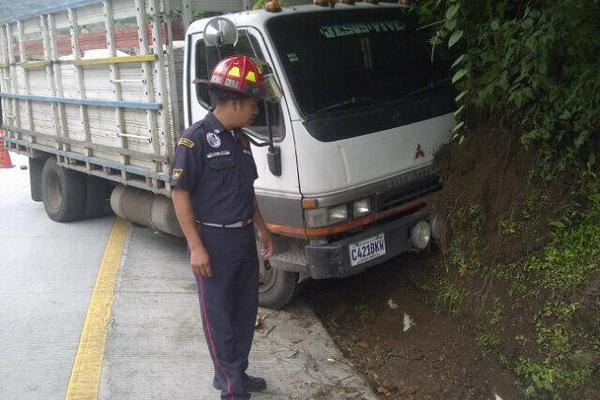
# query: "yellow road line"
85 376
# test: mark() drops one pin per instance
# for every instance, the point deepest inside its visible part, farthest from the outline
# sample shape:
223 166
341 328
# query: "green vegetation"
562 352
449 296
532 64
365 313
529 67
490 343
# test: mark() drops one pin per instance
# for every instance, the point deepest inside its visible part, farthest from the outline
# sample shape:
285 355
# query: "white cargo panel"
105 99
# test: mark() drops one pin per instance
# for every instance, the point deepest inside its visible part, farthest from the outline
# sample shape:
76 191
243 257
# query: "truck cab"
365 105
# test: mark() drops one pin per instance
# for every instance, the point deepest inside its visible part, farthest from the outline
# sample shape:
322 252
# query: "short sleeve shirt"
216 167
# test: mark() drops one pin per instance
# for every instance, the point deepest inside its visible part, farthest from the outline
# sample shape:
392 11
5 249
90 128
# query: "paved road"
154 345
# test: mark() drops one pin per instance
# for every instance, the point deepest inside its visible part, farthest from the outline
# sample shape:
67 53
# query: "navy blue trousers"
228 304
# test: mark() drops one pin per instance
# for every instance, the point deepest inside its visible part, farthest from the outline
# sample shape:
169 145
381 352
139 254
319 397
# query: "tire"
36 165
276 287
63 192
97 197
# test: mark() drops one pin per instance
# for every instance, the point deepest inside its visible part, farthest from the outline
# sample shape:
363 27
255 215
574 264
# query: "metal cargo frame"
98 85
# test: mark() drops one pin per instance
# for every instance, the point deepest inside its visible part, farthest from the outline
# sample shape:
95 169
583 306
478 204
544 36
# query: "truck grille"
407 192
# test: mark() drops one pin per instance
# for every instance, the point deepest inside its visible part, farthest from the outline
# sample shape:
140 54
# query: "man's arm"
199 259
263 233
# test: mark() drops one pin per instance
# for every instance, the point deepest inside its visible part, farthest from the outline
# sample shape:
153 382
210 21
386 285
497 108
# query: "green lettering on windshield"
360 28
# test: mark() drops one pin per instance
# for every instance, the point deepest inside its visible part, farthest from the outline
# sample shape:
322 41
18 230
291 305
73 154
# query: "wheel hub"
54 191
266 276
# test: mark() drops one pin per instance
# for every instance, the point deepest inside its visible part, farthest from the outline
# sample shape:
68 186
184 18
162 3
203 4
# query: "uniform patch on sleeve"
177 172
186 142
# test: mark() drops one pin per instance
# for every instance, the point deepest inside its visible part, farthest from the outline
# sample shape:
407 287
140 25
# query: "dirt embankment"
464 332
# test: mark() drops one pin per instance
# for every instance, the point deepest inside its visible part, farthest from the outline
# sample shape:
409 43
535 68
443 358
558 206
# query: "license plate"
367 249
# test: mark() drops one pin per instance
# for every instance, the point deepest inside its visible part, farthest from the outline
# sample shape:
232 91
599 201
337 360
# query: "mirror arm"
269 127
274 153
257 144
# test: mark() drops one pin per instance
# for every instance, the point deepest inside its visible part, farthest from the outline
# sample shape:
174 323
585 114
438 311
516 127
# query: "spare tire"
63 192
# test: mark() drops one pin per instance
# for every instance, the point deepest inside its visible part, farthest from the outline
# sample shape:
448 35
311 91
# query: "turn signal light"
273 6
324 3
308 204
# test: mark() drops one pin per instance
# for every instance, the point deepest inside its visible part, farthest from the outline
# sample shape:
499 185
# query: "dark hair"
219 96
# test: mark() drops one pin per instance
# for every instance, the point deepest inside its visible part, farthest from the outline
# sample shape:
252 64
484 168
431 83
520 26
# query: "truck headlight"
361 207
325 216
338 214
420 235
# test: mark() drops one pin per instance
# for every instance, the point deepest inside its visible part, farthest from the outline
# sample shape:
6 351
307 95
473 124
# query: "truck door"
278 196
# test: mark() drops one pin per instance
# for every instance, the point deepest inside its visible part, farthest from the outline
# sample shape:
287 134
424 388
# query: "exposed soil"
439 357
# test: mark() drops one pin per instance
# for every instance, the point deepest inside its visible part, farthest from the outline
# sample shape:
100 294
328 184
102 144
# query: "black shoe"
251 383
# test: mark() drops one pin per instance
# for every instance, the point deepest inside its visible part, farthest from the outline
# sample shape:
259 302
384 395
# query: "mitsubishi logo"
419 153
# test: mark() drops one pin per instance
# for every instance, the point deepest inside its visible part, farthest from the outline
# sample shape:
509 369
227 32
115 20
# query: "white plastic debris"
408 322
497 397
392 304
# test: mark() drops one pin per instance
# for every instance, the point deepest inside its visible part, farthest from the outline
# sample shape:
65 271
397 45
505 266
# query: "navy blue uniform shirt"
216 166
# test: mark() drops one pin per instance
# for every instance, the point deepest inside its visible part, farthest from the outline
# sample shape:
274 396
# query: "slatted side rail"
110 116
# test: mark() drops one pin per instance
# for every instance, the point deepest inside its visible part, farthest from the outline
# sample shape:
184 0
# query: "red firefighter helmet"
237 74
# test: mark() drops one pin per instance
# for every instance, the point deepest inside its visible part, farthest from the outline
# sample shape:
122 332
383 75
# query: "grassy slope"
522 260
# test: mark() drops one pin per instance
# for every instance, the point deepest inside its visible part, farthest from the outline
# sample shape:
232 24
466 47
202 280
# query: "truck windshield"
346 59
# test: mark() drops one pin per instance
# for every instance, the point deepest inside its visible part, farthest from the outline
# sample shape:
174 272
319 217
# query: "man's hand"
267 242
200 262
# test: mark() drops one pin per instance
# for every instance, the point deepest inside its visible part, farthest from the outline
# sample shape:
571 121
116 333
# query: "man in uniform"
212 179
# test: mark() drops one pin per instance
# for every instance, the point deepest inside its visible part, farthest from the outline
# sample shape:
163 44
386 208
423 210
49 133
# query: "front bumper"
333 259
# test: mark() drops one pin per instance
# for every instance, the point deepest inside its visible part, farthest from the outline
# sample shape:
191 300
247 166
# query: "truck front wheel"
276 287
63 192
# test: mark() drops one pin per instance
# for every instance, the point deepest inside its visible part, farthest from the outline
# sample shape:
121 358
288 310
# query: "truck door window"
247 45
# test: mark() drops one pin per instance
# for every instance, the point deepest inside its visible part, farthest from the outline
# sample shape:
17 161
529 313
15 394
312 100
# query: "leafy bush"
534 65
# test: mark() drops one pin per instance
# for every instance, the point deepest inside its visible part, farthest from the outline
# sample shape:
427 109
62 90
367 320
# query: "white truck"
97 93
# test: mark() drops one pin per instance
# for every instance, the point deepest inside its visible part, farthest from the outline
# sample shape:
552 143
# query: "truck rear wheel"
276 287
36 166
63 192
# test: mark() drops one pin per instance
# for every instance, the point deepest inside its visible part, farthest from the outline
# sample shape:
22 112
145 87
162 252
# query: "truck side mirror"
220 36
274 160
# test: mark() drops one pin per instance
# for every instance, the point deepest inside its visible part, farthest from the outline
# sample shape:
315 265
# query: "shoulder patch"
186 142
177 172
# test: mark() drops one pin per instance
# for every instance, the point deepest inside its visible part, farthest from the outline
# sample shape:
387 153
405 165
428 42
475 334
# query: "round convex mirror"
220 32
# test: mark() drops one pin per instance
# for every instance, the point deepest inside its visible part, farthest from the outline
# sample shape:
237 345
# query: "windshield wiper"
350 101
428 87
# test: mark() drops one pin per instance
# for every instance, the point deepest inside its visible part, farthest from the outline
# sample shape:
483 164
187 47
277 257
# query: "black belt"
238 224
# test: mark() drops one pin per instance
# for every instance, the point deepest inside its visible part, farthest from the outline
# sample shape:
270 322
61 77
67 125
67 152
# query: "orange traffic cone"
4 154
